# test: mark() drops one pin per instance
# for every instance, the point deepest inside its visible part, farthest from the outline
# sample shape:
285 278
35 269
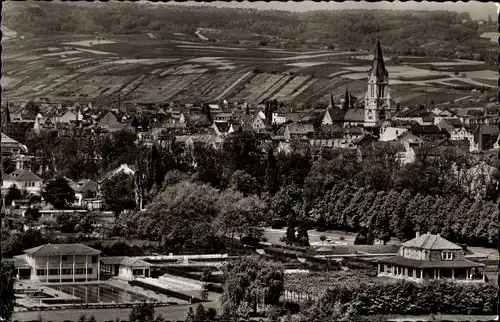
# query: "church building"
377 102
377 97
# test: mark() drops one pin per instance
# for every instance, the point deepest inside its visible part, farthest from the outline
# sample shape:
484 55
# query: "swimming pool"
100 293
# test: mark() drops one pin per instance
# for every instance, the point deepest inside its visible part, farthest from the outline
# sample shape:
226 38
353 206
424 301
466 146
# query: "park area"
148 70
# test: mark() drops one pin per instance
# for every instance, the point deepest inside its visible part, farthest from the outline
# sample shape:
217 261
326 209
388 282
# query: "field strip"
282 83
97 52
127 89
69 52
304 86
315 56
244 76
181 85
58 82
291 86
272 88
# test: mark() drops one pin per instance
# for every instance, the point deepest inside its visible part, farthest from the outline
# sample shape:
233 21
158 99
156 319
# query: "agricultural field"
147 69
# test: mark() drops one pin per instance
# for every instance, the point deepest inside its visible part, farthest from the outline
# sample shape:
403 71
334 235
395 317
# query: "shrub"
354 299
341 238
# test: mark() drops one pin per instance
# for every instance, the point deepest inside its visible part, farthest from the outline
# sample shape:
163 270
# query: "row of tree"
400 214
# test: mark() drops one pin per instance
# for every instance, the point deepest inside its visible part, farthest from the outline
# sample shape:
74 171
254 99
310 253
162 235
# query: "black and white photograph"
257 161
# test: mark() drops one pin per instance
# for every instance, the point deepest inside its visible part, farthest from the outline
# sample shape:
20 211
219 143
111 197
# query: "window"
94 259
54 271
41 272
80 271
64 257
67 271
89 271
137 272
382 266
447 255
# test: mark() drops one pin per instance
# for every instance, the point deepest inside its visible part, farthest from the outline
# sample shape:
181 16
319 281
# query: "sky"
477 10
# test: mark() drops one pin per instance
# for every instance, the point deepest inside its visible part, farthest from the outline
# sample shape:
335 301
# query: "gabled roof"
431 242
115 171
62 249
332 128
124 260
7 139
222 126
82 185
20 175
336 114
300 128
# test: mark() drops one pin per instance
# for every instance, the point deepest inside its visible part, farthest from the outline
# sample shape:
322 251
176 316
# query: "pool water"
100 293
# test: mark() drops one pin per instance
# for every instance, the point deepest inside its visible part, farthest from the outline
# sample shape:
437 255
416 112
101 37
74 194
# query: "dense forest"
402 32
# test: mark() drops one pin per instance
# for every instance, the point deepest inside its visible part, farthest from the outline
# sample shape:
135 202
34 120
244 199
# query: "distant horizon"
477 10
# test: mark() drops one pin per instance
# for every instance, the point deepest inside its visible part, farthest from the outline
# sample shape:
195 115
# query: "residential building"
84 189
485 136
391 133
62 263
431 257
10 147
24 180
297 131
278 118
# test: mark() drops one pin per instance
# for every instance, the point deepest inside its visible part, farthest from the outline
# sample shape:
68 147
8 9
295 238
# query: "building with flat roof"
431 257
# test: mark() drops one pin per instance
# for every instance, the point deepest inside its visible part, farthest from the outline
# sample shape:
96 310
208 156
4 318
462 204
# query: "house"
84 189
69 116
108 120
60 263
297 131
334 115
221 128
391 133
10 147
429 132
24 180
258 123
485 136
431 257
127 268
278 118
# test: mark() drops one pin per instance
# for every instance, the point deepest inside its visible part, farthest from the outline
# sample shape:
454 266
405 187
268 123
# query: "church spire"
346 98
378 66
332 103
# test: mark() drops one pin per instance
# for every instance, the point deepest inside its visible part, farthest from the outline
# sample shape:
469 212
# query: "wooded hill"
408 32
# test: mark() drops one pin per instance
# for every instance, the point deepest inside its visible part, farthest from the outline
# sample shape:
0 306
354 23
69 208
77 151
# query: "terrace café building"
62 263
431 257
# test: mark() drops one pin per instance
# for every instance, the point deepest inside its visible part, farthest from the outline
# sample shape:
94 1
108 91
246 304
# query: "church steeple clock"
377 98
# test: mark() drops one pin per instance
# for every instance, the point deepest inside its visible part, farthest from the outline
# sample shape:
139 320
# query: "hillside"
402 32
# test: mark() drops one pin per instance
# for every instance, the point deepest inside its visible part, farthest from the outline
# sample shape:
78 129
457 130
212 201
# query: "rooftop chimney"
417 234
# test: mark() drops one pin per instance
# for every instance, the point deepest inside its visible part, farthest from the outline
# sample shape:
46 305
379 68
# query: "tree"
271 179
118 192
190 316
239 215
32 214
144 312
59 193
252 281
7 300
322 238
243 182
13 193
201 315
211 314
181 217
8 165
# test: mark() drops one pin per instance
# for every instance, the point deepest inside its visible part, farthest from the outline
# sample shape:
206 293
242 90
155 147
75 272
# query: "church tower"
377 98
